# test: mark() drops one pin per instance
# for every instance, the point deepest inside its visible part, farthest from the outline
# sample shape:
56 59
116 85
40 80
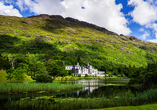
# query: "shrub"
79 75
86 75
19 74
93 75
66 78
69 72
150 78
10 74
43 78
133 81
115 72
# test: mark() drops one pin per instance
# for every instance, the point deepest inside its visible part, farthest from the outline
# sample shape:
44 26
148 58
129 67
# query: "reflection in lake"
97 83
87 89
94 88
89 83
108 88
103 82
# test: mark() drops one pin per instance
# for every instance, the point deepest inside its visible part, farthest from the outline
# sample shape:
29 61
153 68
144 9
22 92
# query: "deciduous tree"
10 74
19 74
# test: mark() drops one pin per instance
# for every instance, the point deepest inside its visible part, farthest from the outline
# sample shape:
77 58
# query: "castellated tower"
87 63
83 70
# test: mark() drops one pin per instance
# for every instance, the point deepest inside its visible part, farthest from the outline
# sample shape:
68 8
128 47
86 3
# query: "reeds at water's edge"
32 87
51 103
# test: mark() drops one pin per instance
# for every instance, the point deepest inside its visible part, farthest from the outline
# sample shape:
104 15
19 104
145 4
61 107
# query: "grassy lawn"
141 107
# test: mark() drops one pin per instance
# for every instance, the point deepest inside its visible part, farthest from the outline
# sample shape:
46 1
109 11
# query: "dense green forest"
46 44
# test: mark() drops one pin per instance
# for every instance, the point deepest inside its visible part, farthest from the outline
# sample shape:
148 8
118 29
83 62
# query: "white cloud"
21 5
144 12
154 40
145 35
41 6
141 30
154 27
7 1
104 13
9 10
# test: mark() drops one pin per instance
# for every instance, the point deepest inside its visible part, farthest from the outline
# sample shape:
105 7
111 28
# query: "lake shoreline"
74 78
50 102
95 94
36 87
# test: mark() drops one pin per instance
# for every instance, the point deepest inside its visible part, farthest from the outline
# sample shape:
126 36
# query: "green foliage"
19 74
32 87
133 81
10 74
86 75
115 72
150 78
4 62
3 78
28 41
38 68
79 75
69 72
55 70
145 76
21 61
119 101
43 78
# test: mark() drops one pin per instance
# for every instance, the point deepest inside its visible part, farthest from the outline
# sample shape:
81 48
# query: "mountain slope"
71 41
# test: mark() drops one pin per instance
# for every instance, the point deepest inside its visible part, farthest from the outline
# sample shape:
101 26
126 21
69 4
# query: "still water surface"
94 88
101 85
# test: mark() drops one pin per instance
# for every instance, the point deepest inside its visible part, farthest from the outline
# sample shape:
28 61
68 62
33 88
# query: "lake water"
94 88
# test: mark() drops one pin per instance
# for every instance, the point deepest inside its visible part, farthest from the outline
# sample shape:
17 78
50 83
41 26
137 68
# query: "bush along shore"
52 103
33 87
75 78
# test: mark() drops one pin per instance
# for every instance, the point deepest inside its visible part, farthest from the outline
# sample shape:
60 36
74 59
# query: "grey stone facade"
83 70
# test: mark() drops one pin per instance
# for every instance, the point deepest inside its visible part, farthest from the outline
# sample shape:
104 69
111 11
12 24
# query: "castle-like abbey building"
83 70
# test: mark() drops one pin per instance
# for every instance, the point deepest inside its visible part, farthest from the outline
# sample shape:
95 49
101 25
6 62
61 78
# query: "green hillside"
70 41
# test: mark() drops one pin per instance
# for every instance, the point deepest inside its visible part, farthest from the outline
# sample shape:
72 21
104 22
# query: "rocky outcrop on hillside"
69 20
82 23
134 38
46 16
85 24
72 20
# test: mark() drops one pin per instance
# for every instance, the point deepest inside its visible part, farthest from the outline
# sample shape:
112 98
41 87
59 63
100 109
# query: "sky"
128 17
